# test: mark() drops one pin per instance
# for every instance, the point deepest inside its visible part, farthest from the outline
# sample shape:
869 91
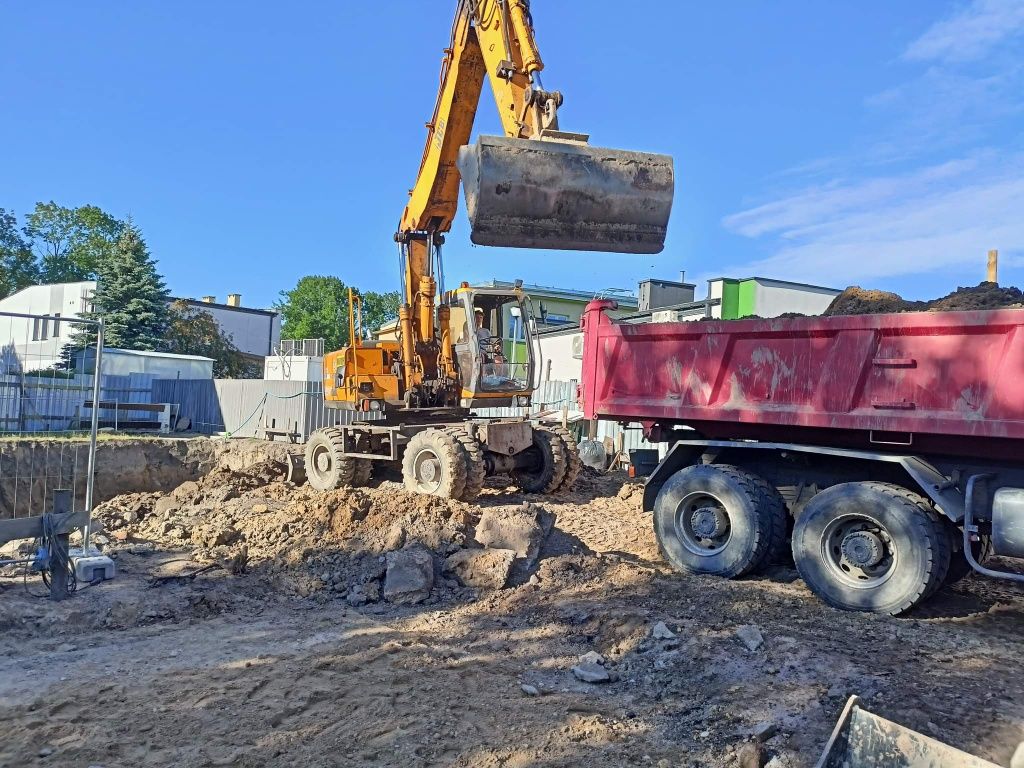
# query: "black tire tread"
931 536
573 462
473 456
448 450
547 479
345 468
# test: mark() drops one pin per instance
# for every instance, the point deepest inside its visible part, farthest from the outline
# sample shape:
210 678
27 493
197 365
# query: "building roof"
776 281
569 294
215 305
146 353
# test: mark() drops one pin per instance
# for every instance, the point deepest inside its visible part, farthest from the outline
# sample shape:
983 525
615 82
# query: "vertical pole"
993 266
90 479
59 544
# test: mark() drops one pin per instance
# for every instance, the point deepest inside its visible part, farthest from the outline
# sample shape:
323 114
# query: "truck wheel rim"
859 551
702 524
427 470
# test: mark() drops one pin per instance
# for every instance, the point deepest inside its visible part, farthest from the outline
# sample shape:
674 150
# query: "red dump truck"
885 453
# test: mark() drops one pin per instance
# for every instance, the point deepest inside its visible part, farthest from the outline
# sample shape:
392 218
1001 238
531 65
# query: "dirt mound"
860 301
982 296
307 541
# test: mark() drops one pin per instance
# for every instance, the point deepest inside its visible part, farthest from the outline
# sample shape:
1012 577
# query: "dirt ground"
284 652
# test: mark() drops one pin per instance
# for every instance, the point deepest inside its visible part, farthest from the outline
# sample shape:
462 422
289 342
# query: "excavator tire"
573 462
327 466
435 464
473 456
549 472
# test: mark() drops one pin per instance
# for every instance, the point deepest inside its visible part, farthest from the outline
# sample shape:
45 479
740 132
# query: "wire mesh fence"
48 422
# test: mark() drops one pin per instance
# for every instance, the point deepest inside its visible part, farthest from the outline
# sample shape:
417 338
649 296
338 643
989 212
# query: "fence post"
90 480
59 543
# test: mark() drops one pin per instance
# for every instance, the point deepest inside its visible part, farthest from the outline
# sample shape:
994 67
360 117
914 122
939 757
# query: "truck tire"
959 568
473 456
713 518
435 464
571 451
870 546
549 469
779 547
327 466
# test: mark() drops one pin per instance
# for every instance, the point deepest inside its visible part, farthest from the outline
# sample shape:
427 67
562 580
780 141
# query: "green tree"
317 307
18 266
379 309
130 297
71 242
193 331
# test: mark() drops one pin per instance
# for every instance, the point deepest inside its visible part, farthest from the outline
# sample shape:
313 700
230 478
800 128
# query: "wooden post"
993 266
59 544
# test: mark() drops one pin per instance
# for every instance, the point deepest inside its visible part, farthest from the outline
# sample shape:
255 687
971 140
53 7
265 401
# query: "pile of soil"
860 301
306 541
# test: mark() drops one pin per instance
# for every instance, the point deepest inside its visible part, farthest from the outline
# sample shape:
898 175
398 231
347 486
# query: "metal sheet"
525 193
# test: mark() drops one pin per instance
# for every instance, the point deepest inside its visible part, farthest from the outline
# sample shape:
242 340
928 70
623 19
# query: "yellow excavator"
535 187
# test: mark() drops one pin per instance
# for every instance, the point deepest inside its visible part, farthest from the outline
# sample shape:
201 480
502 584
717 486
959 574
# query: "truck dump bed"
943 382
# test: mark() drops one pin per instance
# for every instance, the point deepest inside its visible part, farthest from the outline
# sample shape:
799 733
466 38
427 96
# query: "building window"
44 323
35 329
56 324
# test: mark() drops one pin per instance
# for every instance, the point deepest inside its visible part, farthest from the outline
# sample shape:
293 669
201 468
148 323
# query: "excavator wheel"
573 462
550 465
473 456
435 464
327 466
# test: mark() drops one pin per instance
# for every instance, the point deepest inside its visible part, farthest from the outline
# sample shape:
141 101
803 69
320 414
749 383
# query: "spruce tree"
130 297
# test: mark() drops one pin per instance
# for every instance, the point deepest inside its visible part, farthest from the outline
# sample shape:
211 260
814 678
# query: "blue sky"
876 143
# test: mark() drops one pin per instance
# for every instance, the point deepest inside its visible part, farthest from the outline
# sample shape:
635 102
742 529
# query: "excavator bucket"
864 740
528 193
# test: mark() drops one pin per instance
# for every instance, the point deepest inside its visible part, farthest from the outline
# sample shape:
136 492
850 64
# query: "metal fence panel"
251 407
47 429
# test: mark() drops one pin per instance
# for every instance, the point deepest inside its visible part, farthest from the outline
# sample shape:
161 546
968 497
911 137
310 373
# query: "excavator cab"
492 337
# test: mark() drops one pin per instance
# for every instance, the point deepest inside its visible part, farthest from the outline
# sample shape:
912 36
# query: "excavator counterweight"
528 193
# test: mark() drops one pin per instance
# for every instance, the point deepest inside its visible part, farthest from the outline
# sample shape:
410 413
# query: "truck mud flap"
864 740
528 193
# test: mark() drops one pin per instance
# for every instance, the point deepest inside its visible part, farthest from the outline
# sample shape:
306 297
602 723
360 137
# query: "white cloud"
892 226
970 33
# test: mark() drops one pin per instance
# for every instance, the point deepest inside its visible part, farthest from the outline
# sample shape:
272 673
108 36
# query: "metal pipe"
970 527
90 480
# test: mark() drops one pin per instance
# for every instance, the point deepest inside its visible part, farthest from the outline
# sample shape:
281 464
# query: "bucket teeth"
526 193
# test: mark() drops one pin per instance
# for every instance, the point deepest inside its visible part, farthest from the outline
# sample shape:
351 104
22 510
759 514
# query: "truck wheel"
573 462
435 464
959 568
549 467
779 548
473 457
327 466
870 546
713 518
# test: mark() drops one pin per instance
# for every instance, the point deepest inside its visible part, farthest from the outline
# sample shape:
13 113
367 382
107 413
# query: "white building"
36 343
160 365
255 332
